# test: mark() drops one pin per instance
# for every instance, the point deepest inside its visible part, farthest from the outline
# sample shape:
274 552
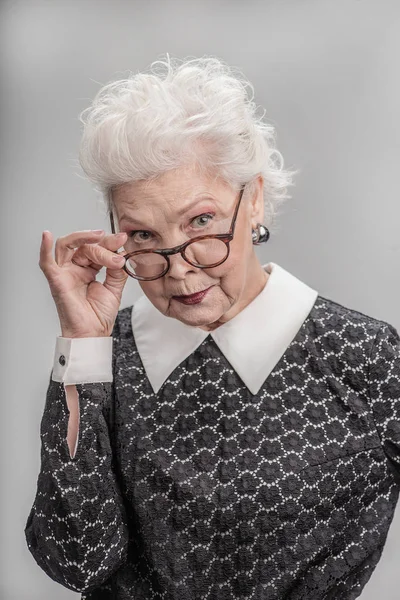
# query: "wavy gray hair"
181 112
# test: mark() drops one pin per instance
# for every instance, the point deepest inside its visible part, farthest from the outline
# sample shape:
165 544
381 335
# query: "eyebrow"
180 212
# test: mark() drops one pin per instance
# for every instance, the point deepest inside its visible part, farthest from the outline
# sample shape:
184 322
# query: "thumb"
115 281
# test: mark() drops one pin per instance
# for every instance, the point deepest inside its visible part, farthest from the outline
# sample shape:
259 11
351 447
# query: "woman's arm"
77 528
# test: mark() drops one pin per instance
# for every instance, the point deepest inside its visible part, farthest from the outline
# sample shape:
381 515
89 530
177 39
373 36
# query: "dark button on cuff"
61 360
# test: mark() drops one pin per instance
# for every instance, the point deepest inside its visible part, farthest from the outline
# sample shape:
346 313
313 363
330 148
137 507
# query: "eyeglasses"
203 252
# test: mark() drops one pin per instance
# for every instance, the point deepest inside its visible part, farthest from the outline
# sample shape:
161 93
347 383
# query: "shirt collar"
253 341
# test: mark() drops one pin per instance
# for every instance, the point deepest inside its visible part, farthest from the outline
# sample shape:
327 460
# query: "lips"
192 298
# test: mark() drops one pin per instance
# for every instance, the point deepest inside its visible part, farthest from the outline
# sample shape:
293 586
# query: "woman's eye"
203 219
136 233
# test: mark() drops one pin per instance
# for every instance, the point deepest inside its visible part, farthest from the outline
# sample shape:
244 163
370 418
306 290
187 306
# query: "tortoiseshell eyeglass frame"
167 252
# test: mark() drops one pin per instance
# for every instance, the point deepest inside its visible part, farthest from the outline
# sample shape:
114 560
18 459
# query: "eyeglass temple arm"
237 210
112 221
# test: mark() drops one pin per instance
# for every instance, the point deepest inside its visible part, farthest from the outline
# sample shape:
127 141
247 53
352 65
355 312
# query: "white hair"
182 112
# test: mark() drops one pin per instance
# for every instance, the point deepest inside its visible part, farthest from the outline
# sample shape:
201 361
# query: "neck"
255 283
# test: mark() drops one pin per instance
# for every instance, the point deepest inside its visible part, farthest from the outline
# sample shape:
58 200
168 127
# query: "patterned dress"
204 490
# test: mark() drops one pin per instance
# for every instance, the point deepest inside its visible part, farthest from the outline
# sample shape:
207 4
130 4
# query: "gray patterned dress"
205 491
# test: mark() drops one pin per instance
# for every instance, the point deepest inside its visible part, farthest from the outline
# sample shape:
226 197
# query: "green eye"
205 215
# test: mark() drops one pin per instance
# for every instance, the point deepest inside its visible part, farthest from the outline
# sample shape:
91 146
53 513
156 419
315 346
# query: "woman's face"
178 206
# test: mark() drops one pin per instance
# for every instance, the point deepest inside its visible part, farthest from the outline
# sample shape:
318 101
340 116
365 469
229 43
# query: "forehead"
177 186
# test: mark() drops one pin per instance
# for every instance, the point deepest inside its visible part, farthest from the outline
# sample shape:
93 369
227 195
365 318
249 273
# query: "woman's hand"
86 307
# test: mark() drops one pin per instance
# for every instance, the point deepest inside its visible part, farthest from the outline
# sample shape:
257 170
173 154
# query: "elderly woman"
233 434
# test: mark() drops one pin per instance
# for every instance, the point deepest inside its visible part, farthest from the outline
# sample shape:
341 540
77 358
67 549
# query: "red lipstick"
192 298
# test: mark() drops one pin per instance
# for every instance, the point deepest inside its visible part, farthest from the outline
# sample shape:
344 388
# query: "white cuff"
83 360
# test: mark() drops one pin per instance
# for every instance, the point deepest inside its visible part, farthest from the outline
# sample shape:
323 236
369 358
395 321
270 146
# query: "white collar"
253 341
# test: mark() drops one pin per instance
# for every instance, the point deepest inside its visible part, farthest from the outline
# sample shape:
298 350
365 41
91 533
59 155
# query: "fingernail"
118 259
97 230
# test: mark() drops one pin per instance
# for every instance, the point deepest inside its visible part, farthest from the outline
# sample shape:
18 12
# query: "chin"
195 315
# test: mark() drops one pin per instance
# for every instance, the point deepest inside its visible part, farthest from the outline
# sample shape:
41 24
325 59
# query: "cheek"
231 273
154 290
240 253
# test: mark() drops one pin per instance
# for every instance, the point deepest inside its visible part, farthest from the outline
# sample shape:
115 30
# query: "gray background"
328 74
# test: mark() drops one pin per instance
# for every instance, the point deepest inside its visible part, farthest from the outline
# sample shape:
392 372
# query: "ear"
257 201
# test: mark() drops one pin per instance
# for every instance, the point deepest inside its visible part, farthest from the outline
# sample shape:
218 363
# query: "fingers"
113 241
66 245
46 260
102 254
115 280
78 248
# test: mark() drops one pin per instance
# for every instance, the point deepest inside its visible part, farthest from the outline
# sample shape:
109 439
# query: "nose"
179 267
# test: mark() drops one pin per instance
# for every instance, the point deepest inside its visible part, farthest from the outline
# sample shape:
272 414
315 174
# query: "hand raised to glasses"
86 307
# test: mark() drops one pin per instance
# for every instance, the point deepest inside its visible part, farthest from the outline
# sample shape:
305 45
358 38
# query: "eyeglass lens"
203 253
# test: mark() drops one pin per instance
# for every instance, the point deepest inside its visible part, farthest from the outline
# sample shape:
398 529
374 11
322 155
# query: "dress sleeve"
384 387
77 527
